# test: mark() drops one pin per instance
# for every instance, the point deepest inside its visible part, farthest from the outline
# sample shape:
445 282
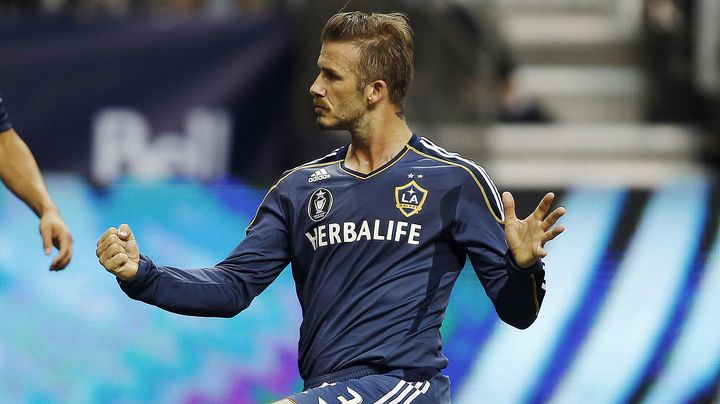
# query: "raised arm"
219 291
20 173
223 290
506 260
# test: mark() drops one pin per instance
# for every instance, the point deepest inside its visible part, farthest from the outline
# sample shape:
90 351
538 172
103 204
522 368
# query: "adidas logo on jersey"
319 175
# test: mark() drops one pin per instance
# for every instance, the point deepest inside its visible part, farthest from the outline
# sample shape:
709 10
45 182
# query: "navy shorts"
386 388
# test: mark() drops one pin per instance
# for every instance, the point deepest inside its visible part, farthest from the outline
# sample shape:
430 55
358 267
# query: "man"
20 173
376 232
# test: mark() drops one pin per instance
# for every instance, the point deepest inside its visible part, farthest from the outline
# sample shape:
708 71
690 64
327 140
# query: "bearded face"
338 103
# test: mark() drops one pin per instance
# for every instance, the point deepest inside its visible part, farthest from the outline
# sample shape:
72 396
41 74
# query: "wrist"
48 208
523 263
139 275
518 268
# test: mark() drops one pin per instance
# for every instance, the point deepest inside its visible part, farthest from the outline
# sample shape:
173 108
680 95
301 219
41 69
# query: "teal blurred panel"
694 362
75 337
635 312
519 355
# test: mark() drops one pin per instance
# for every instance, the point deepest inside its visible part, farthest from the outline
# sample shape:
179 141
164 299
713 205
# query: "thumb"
125 233
46 234
131 246
508 205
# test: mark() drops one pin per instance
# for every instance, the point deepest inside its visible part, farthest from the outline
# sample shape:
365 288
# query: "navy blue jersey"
4 122
374 257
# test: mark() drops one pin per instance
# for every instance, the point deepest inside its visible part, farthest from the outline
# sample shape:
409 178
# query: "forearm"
220 291
519 298
20 173
516 293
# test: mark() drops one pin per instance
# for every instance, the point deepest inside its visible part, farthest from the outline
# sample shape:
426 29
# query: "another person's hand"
118 252
526 238
54 232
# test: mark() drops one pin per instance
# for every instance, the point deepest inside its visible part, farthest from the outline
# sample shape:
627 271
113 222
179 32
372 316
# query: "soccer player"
20 173
376 232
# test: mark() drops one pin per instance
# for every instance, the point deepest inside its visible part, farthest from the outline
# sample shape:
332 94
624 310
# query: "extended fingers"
552 218
552 233
544 205
508 206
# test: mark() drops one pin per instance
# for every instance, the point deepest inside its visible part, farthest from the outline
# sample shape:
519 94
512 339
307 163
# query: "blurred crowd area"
681 43
466 64
476 66
474 79
122 7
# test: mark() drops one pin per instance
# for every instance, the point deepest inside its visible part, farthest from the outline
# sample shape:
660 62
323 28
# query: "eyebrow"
329 70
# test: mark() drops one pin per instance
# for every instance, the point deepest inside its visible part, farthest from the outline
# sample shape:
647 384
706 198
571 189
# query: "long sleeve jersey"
374 257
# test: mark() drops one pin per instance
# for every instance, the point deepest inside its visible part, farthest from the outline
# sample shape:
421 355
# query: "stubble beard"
347 121
334 123
321 125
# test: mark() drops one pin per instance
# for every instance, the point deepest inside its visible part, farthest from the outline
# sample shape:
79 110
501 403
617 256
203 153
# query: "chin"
325 125
325 122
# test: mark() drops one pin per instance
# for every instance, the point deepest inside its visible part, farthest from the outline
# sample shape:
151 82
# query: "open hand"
118 252
526 238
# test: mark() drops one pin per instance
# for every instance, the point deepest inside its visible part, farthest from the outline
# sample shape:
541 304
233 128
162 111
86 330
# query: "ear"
376 92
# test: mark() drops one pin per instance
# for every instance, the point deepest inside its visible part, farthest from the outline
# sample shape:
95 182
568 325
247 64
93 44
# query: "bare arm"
20 173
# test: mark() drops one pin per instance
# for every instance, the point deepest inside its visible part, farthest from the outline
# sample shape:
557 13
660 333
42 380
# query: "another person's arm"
20 173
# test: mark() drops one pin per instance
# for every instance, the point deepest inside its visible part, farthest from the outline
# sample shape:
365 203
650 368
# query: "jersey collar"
343 152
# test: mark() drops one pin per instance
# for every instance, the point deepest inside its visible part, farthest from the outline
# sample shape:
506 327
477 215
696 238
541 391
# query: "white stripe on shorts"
392 392
402 395
416 389
423 390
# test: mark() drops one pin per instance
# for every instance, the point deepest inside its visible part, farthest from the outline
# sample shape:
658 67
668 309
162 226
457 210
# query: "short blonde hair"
386 47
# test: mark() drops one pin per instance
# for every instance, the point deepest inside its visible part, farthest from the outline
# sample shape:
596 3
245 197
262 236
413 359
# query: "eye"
329 75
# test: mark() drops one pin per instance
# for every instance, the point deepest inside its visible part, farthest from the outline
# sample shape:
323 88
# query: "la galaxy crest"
410 198
320 204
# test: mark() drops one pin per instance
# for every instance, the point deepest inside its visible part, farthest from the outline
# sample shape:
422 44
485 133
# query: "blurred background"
176 115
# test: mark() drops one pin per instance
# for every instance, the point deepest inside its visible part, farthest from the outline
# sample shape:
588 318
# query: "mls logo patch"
320 204
410 198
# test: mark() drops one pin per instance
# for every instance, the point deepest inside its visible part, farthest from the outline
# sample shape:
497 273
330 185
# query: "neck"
376 142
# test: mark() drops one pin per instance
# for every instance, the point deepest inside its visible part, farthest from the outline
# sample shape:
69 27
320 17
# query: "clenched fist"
118 252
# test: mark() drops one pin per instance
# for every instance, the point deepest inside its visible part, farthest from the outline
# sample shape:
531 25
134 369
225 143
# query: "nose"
316 89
